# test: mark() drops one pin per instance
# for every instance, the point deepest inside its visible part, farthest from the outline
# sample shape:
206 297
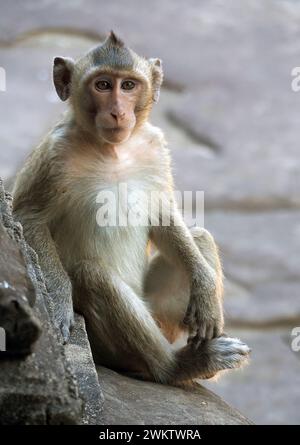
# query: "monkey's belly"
125 252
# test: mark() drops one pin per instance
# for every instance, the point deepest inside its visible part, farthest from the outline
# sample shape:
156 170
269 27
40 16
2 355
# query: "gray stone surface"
273 376
242 104
17 293
261 253
256 138
79 354
41 388
133 402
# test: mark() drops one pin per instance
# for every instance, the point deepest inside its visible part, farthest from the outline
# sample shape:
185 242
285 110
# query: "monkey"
142 289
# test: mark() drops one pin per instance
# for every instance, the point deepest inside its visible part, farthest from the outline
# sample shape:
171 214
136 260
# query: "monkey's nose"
118 116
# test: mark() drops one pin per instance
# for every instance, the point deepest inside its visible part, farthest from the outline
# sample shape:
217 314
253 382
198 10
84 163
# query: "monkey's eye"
102 85
128 85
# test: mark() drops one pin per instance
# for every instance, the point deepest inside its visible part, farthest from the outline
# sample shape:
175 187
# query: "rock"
79 354
133 402
41 388
17 293
268 388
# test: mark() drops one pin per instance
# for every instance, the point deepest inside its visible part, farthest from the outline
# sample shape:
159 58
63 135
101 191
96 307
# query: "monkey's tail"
209 358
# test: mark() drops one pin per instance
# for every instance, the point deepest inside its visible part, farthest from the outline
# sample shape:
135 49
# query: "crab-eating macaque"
136 301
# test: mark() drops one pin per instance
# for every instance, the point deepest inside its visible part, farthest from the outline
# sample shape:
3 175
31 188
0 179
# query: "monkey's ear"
62 74
157 78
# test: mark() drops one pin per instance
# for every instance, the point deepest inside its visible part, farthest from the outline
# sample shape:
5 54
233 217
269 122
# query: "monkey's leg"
121 329
57 281
167 291
124 335
167 286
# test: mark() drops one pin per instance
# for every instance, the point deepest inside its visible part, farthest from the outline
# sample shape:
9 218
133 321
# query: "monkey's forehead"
115 59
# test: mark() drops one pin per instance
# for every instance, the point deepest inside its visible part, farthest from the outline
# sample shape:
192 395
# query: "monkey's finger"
65 332
195 341
189 318
210 330
191 340
201 324
199 340
201 332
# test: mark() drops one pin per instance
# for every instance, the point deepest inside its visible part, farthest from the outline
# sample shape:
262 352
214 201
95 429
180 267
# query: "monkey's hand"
204 315
63 311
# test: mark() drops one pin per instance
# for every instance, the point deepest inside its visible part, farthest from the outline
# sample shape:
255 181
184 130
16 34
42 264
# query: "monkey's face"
115 99
111 89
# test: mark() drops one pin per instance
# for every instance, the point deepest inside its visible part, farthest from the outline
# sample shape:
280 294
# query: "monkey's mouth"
115 135
114 130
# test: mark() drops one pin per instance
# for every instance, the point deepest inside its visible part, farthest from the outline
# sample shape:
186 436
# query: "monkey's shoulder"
152 145
154 136
39 170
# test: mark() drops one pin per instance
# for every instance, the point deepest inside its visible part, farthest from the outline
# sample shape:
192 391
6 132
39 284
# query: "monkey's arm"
204 315
34 201
57 281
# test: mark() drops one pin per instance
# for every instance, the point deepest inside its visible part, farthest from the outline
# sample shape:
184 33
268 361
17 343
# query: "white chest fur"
90 181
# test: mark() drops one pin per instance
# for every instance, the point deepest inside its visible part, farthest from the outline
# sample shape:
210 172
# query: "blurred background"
232 122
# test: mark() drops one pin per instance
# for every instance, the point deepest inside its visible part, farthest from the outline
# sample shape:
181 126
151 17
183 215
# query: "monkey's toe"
65 332
65 327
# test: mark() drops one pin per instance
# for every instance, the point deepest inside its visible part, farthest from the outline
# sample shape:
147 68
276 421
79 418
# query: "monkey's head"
111 88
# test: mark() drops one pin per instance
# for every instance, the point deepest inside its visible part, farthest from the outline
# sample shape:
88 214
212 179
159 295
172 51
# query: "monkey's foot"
20 325
225 353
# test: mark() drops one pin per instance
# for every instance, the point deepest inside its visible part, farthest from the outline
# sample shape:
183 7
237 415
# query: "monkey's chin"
115 136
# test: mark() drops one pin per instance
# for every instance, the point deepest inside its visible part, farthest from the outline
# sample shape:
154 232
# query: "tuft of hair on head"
114 40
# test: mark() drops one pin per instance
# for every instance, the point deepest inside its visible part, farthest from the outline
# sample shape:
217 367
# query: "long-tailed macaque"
136 303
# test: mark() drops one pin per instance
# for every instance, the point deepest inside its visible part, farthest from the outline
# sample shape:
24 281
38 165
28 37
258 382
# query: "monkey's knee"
207 246
204 239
